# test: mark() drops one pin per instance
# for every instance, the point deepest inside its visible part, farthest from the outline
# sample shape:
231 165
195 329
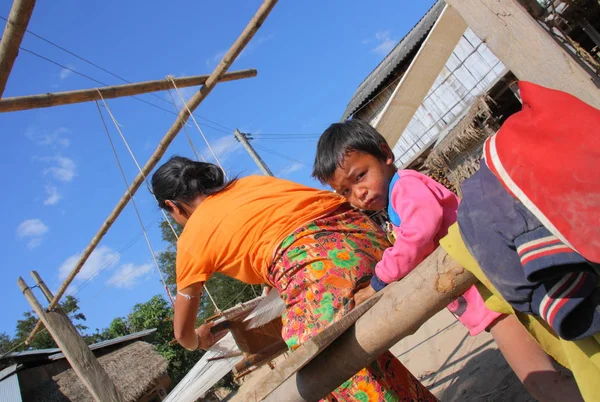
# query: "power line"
105 84
285 134
60 65
222 128
280 154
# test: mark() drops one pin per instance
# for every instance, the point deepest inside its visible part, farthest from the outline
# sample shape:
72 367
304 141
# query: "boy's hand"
363 294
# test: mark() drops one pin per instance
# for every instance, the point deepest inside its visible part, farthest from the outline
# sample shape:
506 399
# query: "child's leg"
471 311
531 364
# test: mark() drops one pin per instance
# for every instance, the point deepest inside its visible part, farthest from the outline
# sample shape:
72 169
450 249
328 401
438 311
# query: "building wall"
470 71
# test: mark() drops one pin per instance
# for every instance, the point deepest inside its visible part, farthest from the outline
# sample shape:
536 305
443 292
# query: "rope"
137 212
197 126
117 126
189 138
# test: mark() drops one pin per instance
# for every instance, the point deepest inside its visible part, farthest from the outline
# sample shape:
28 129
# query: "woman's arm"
184 322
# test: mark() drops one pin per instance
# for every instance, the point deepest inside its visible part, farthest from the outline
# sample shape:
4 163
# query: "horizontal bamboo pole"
233 52
18 19
117 91
401 309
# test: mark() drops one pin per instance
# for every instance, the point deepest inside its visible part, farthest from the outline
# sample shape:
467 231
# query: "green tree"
6 343
43 339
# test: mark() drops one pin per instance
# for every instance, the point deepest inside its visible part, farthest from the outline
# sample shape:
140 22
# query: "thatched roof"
135 369
469 132
456 157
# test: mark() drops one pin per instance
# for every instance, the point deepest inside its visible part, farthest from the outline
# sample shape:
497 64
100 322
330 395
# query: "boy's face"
364 180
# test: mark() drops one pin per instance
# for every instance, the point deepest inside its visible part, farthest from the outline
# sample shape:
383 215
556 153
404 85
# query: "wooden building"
472 95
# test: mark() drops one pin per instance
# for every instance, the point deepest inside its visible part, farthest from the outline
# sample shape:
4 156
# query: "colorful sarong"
317 270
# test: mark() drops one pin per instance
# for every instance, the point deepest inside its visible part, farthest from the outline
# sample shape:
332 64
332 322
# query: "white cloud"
66 72
53 195
63 168
223 147
294 167
54 138
33 230
102 257
254 44
213 60
128 275
384 43
186 94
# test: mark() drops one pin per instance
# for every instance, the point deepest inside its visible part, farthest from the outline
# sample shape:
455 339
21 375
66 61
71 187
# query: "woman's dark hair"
182 179
339 140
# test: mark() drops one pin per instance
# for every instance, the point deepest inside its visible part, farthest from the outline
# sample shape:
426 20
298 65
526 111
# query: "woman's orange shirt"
238 230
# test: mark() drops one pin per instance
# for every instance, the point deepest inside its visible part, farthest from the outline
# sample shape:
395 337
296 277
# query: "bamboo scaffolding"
233 52
116 91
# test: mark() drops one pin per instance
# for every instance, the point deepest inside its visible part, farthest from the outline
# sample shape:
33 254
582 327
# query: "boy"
355 160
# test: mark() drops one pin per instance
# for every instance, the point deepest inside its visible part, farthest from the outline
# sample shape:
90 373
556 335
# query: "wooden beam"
233 52
15 28
420 75
117 91
82 360
401 309
526 48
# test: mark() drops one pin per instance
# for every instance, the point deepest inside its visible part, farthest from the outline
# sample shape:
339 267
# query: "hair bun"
205 175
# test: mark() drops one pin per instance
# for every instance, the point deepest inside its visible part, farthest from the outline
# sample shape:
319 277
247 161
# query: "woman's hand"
206 338
362 295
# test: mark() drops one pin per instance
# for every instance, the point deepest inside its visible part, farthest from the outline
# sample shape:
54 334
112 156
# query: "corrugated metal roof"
33 352
111 342
55 353
9 385
389 64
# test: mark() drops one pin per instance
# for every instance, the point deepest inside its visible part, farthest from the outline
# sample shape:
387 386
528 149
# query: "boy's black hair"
342 138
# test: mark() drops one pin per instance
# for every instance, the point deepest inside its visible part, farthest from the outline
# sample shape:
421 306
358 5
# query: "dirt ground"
458 367
452 364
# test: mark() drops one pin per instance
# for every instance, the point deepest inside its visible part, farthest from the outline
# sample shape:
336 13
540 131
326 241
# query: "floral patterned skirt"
317 270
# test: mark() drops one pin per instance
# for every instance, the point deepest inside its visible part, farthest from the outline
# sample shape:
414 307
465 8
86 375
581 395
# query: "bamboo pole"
233 52
42 285
15 28
87 95
400 310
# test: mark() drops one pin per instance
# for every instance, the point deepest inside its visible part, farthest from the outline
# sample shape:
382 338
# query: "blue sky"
60 179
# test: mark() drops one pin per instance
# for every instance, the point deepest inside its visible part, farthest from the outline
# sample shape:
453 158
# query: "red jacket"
548 157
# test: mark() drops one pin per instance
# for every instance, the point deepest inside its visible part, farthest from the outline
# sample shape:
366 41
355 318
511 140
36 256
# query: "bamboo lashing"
15 28
234 51
110 92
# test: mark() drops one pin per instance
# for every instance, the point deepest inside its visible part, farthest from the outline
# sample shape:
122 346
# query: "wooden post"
18 19
526 48
86 95
420 75
255 157
401 309
40 283
233 52
72 345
